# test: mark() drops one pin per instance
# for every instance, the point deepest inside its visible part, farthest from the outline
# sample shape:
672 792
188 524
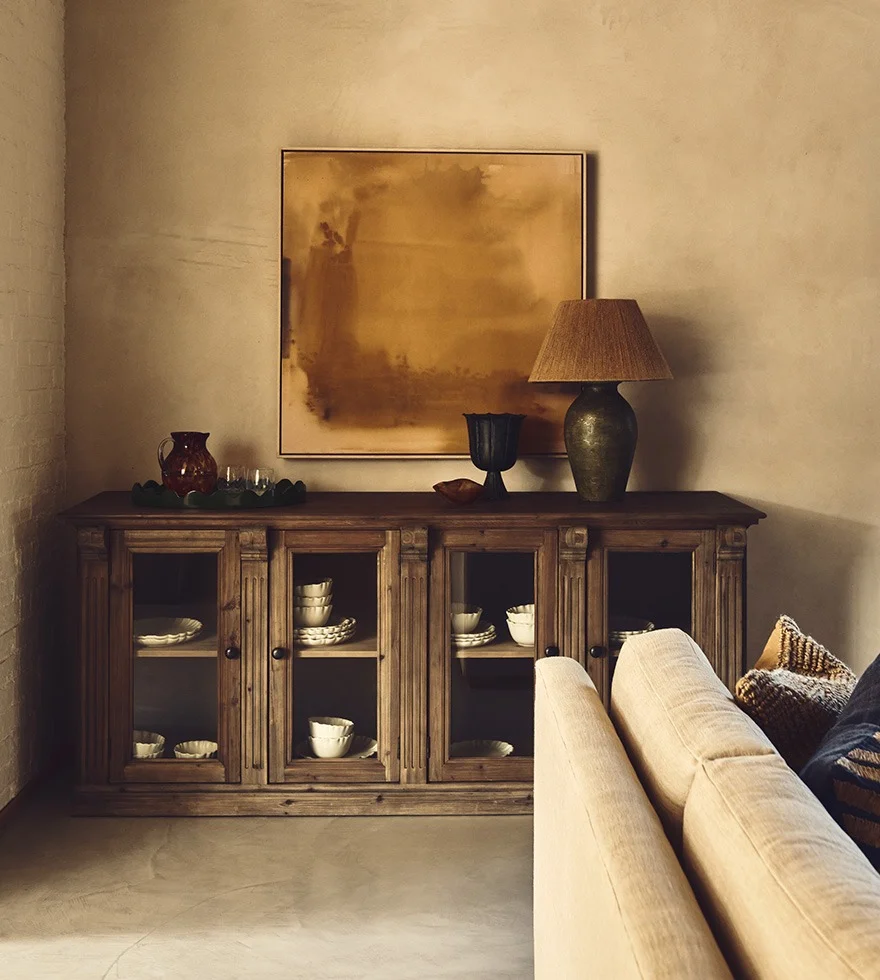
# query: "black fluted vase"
493 440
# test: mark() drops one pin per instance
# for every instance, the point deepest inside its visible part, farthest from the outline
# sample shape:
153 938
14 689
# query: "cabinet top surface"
704 508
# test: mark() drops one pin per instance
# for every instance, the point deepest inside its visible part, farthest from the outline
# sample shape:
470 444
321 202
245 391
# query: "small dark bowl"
460 492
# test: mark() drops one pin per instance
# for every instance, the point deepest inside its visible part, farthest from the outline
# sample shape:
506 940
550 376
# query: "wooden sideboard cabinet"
432 714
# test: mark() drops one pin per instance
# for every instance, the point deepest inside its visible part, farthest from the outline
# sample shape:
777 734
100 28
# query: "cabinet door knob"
551 652
232 653
597 652
279 653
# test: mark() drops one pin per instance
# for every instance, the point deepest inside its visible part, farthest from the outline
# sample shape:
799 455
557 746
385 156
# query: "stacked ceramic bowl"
521 624
313 603
147 745
330 738
200 748
621 628
467 629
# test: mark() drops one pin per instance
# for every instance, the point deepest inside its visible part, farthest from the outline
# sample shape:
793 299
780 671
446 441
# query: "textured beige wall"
31 378
736 147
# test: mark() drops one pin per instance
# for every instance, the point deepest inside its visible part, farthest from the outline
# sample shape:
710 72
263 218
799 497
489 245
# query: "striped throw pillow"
845 770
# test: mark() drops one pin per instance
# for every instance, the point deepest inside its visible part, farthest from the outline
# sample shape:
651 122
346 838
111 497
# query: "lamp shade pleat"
599 340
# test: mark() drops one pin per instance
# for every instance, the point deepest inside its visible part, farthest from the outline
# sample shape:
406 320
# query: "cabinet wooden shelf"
397 562
495 651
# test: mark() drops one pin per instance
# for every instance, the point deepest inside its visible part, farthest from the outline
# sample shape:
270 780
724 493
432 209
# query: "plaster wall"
735 146
31 378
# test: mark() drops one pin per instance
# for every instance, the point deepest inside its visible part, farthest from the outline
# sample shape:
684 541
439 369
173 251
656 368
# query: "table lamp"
599 343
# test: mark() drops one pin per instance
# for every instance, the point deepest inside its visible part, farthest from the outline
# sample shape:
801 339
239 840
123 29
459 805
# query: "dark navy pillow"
844 772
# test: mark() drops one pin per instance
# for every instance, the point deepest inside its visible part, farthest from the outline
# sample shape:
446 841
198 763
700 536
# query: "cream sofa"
671 840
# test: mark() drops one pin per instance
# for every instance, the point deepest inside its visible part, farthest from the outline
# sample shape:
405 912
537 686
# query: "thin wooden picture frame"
417 285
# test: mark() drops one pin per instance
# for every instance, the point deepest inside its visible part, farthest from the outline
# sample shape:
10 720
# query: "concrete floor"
396 898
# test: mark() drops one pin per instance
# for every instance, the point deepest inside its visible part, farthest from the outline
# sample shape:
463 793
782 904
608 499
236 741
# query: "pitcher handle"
159 453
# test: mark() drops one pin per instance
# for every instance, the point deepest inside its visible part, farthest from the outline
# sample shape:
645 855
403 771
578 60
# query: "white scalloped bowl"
330 748
324 726
311 615
465 619
522 633
196 749
521 614
313 589
312 600
147 745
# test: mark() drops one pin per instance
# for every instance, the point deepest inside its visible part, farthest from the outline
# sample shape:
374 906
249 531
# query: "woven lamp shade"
599 340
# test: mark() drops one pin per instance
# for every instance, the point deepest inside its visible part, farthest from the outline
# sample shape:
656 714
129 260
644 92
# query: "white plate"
343 626
323 641
362 747
164 631
480 748
477 643
478 636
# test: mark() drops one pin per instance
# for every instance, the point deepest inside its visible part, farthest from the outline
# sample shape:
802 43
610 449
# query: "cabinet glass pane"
334 613
648 588
175 654
491 670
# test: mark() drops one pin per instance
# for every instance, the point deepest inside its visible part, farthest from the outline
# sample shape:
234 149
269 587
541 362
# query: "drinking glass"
233 478
260 479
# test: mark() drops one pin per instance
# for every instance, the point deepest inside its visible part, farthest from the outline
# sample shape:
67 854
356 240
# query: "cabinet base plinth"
285 801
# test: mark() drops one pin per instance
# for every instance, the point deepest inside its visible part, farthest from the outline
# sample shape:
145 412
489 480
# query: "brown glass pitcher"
189 465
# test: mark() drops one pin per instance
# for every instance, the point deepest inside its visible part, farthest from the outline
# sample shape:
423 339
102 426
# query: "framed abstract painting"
418 285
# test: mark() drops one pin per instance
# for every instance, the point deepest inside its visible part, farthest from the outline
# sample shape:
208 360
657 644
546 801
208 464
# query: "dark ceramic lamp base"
600 438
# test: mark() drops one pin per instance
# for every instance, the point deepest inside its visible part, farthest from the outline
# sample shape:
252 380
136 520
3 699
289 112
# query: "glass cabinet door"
333 677
492 614
642 581
175 673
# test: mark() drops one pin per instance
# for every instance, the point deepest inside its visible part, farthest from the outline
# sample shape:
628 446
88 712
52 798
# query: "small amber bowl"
460 492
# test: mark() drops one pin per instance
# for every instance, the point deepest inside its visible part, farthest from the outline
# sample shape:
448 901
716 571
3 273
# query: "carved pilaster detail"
92 543
571 596
254 544
414 544
573 543
730 550
413 653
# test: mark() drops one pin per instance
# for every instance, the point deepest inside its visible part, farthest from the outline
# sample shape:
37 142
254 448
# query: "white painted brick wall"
31 379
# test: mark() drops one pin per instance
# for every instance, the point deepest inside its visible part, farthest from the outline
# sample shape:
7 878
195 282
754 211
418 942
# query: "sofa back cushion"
672 711
611 899
787 892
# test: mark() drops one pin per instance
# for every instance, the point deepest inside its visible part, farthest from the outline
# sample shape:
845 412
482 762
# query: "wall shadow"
669 413
808 566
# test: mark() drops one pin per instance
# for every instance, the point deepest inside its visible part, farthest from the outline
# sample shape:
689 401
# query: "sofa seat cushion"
787 892
611 899
672 711
844 772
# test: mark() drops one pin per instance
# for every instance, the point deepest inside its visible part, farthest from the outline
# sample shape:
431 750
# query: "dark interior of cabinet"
494 581
174 694
355 589
493 699
339 687
176 697
187 582
655 586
